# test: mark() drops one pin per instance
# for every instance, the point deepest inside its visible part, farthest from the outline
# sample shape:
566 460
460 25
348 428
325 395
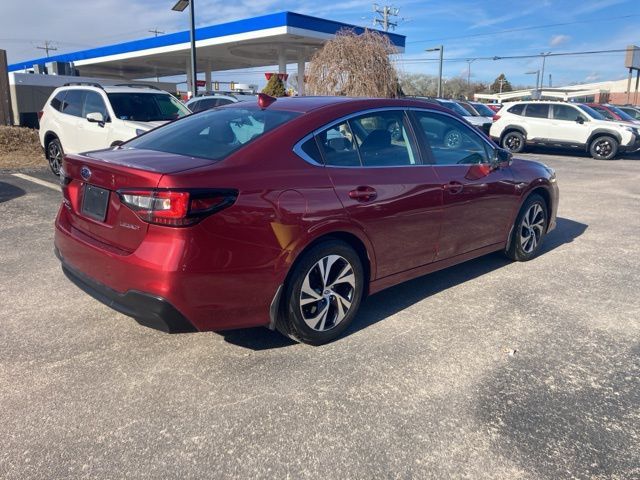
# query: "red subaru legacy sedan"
287 213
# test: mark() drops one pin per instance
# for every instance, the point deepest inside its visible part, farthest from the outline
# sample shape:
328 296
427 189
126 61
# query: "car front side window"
451 142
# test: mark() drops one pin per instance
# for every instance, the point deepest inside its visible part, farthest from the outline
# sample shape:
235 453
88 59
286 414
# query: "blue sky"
466 28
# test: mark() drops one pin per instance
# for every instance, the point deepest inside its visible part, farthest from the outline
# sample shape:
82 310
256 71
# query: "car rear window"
212 134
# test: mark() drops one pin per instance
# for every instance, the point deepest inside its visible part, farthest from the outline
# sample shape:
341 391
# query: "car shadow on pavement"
9 192
394 299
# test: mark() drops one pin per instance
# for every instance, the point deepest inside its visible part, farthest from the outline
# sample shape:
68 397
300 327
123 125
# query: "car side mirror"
501 158
96 117
579 120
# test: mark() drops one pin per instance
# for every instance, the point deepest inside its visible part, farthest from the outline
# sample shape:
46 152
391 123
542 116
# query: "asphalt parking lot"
425 384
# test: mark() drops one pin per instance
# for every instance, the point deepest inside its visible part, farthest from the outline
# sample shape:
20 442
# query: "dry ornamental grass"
355 66
20 148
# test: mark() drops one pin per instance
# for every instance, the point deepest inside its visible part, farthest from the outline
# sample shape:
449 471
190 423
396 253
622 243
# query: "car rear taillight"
40 113
176 208
496 117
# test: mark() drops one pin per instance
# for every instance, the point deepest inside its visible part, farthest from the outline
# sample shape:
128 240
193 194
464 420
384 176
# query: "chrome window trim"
297 148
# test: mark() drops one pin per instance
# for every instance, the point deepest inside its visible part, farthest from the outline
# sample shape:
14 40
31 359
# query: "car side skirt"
392 280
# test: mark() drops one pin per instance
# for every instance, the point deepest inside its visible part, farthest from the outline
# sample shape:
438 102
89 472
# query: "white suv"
86 116
560 124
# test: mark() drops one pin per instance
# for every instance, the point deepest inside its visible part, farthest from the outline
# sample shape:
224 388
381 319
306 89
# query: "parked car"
477 121
611 112
87 116
561 124
202 225
494 106
205 102
483 109
631 111
475 112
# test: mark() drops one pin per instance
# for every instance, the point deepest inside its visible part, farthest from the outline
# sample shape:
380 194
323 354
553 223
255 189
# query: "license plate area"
94 202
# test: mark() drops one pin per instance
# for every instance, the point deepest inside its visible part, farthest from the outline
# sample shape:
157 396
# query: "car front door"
479 196
569 125
377 173
94 135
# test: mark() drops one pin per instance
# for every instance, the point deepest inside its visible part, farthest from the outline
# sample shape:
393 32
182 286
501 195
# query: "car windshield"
212 134
146 107
483 109
456 108
592 113
622 114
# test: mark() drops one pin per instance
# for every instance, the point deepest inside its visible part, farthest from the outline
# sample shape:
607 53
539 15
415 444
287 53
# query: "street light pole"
441 49
469 62
179 7
537 72
544 57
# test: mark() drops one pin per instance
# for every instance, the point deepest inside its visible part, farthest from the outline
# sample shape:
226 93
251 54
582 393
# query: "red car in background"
494 106
288 213
611 112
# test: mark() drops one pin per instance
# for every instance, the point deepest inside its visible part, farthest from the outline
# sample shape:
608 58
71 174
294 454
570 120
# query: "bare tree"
354 65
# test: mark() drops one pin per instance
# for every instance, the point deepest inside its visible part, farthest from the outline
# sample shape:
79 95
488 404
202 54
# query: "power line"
522 29
514 57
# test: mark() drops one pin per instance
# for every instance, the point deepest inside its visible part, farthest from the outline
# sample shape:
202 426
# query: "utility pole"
156 32
385 12
544 57
46 47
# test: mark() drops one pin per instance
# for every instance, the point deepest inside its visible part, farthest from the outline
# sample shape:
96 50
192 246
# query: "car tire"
55 154
514 142
604 148
453 138
529 229
319 304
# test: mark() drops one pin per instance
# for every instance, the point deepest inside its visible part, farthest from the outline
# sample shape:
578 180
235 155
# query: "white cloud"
559 40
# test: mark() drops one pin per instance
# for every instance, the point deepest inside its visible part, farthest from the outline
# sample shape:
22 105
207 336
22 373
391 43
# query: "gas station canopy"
275 39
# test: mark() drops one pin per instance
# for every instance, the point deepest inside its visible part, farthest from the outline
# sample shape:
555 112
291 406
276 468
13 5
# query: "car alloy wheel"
55 155
327 293
604 148
532 228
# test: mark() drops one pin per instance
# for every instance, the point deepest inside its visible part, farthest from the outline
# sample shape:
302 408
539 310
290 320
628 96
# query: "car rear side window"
310 148
516 109
213 134
56 102
537 110
73 102
452 142
383 139
339 146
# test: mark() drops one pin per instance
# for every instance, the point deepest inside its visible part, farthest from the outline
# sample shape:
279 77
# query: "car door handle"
454 187
363 194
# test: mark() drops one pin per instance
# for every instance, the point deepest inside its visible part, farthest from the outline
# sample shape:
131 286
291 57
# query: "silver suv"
561 124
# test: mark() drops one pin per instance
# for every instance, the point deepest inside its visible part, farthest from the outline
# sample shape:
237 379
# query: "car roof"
215 95
112 89
307 104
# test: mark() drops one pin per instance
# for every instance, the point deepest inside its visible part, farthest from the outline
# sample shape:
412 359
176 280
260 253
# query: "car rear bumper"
149 310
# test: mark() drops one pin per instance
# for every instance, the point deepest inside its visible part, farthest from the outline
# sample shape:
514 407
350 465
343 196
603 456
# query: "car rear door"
539 127
70 120
478 199
377 173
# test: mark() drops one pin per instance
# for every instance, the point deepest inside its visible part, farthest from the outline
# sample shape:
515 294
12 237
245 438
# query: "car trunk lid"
91 184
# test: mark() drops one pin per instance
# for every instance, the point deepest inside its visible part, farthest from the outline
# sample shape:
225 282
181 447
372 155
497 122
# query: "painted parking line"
44 183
